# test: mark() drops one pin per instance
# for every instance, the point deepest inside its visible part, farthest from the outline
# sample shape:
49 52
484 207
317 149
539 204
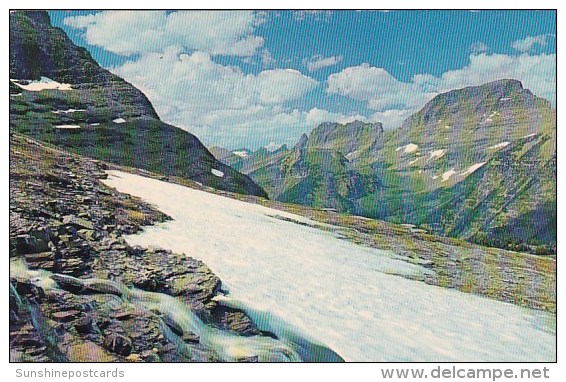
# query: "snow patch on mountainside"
407 149
343 295
67 127
499 145
119 120
437 154
43 84
472 168
241 154
68 111
447 175
217 173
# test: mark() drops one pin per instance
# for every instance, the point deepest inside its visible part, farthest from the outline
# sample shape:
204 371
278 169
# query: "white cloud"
212 100
390 118
318 62
380 89
130 32
316 116
316 15
279 85
528 43
478 47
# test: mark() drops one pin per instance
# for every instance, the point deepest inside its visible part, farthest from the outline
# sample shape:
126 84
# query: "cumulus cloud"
316 116
193 91
375 85
318 61
478 47
528 43
316 15
131 32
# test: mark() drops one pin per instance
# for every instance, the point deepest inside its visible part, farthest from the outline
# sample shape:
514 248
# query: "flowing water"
228 346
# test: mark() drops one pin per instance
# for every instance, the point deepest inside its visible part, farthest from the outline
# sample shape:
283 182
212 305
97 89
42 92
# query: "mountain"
60 95
477 163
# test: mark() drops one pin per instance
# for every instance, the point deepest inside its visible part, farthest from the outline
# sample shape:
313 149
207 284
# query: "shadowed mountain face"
477 163
60 95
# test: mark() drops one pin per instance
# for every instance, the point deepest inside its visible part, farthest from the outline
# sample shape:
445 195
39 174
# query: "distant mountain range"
477 163
60 95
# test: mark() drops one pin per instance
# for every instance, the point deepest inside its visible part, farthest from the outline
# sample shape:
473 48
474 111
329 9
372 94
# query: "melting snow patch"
16 95
415 161
505 99
529 136
341 294
67 111
349 155
447 175
241 154
499 145
95 124
43 84
217 173
67 127
472 168
119 120
434 177
410 148
437 154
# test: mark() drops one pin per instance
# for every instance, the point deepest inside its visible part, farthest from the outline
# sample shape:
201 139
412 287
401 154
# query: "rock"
88 352
134 358
65 316
252 358
234 320
102 286
86 325
26 244
89 234
77 222
118 344
121 315
190 337
69 283
172 324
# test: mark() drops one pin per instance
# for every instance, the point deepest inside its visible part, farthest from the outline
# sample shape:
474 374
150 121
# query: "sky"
262 78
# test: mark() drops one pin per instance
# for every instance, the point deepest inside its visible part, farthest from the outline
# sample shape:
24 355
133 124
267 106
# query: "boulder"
119 344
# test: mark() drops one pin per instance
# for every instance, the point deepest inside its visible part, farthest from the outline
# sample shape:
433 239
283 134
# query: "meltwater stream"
304 282
228 346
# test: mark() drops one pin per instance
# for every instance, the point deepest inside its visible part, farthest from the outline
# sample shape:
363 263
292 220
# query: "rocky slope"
477 163
75 284
60 95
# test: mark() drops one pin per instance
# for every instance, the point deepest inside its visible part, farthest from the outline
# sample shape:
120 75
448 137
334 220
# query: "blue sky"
255 78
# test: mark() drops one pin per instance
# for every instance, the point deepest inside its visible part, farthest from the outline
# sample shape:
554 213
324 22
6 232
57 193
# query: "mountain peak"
345 137
302 141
